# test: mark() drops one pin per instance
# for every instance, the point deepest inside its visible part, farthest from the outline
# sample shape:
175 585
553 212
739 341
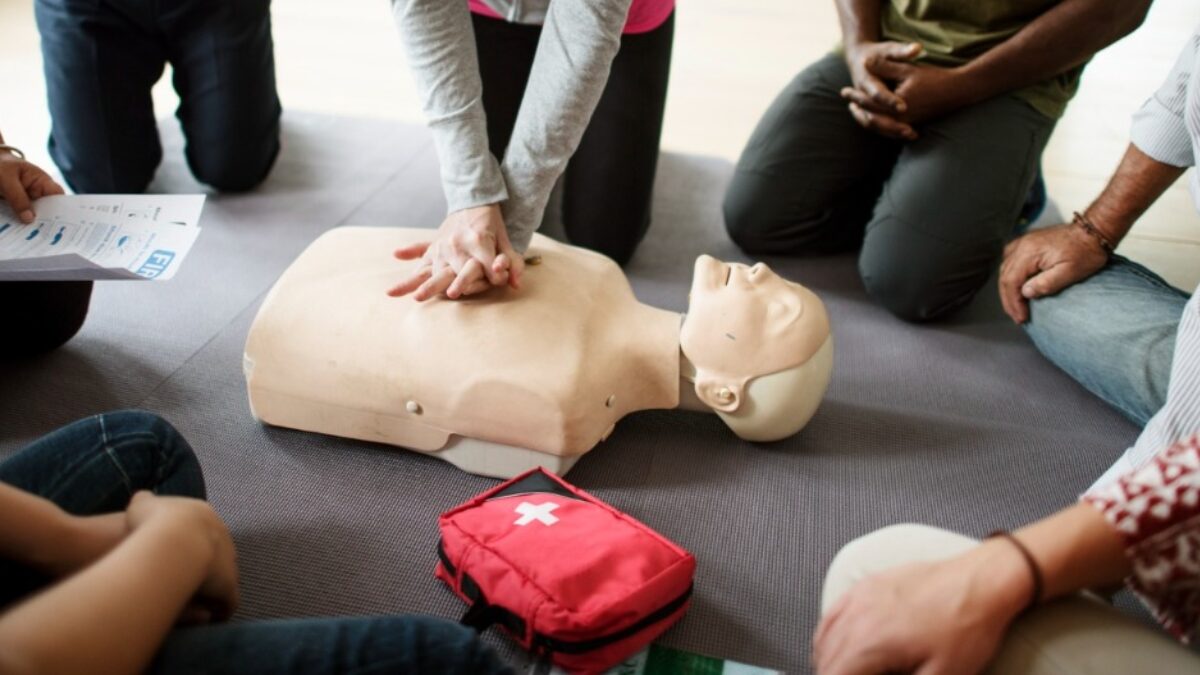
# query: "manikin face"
744 322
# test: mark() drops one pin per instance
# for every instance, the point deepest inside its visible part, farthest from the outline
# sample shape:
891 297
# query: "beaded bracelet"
1094 232
1034 572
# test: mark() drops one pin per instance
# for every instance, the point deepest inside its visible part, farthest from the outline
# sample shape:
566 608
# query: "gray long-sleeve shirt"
571 66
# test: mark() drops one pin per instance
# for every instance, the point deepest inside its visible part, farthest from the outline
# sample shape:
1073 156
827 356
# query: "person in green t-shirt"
919 140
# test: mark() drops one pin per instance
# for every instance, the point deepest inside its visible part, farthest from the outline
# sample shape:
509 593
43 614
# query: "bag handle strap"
481 615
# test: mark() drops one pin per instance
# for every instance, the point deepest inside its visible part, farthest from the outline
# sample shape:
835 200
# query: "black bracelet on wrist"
1035 573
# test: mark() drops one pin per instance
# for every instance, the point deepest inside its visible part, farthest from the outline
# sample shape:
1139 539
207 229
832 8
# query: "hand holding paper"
22 181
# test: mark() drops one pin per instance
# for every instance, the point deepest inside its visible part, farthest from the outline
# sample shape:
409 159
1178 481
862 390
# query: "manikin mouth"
728 274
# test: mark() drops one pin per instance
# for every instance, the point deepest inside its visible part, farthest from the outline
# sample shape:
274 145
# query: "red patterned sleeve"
1156 510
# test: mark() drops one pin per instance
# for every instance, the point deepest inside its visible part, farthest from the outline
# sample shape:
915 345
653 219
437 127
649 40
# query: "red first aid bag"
563 573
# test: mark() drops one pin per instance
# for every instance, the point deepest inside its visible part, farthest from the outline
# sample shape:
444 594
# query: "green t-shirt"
956 31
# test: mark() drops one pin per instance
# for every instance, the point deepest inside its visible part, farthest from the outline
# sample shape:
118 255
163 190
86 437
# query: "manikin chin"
508 380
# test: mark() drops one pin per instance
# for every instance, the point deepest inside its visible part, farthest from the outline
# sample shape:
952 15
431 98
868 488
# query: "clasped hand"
470 254
73 543
217 597
891 94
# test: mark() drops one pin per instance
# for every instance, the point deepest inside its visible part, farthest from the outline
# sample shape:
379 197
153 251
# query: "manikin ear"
718 394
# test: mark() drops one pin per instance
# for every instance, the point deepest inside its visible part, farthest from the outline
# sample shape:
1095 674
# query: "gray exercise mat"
961 425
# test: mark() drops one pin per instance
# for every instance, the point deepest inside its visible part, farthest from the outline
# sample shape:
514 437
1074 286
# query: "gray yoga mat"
961 425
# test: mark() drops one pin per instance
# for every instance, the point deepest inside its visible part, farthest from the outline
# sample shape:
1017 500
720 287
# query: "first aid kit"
569 577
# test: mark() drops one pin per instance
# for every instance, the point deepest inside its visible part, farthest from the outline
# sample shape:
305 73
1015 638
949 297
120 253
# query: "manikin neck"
667 378
648 339
688 400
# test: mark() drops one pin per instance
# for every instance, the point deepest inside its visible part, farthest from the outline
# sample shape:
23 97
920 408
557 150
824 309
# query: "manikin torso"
496 383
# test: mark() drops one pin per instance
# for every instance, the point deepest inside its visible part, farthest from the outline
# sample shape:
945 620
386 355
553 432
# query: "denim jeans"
1115 333
101 60
387 644
95 465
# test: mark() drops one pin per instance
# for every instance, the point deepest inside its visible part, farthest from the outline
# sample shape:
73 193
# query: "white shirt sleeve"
1159 127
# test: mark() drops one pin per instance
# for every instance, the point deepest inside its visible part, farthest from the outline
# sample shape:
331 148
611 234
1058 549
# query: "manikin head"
760 345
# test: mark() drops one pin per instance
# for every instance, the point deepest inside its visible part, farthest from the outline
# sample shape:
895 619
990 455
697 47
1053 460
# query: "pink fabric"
644 15
1156 511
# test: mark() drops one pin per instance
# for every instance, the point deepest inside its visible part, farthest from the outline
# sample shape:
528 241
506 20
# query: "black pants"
609 181
103 56
931 215
40 315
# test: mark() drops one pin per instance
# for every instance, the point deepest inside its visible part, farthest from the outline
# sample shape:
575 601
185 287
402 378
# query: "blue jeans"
1115 333
387 644
101 60
95 465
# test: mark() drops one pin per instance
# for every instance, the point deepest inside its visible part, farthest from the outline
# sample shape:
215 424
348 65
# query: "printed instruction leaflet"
79 237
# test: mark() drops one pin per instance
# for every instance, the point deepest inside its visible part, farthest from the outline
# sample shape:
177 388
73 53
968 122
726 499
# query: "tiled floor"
731 57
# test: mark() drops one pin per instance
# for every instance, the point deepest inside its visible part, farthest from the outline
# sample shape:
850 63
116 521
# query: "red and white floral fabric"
1156 510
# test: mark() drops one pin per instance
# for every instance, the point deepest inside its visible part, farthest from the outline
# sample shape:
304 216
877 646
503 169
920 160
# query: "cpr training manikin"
503 381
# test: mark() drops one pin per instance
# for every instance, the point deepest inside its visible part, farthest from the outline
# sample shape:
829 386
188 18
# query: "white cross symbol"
541 512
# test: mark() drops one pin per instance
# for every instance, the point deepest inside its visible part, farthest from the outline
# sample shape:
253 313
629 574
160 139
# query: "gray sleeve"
440 44
1158 127
571 66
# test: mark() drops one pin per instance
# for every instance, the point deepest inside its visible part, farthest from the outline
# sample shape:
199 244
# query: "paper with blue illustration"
78 237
